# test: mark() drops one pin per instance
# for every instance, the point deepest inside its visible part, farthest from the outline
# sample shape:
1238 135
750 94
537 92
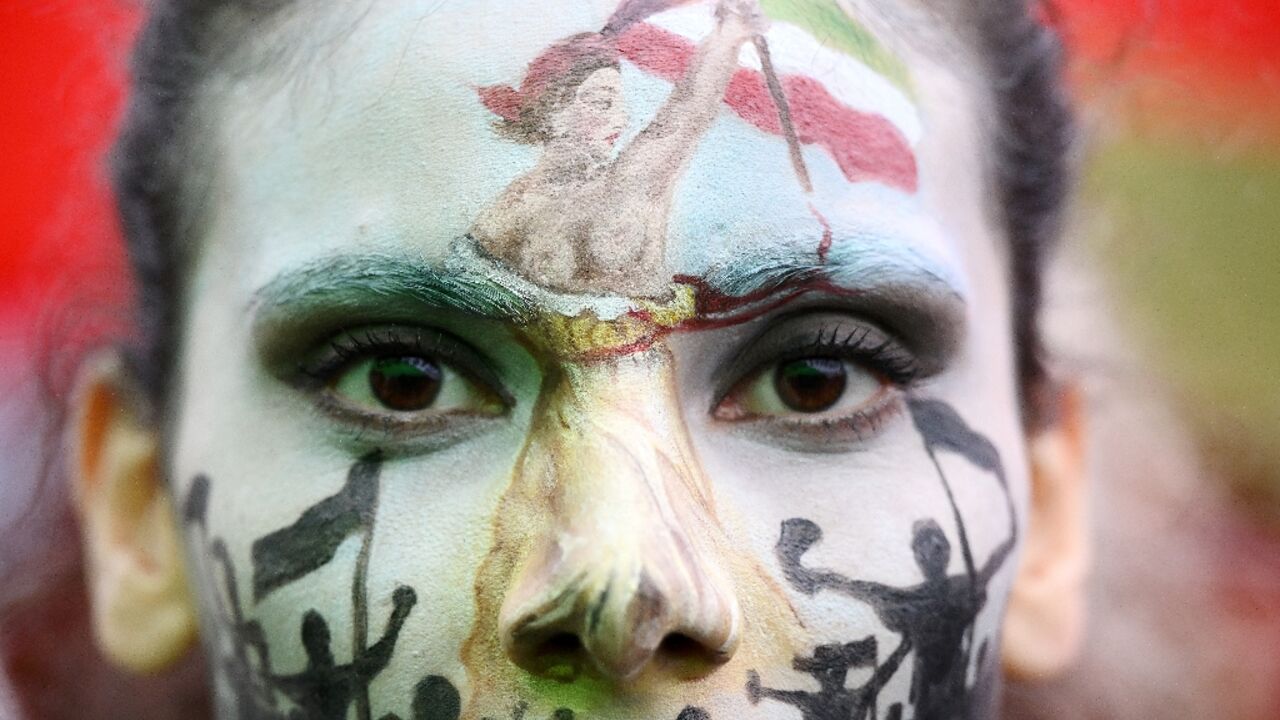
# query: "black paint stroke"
311 541
934 618
324 690
943 429
830 666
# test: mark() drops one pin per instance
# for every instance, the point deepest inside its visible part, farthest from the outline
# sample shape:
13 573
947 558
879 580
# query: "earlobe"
143 615
1044 625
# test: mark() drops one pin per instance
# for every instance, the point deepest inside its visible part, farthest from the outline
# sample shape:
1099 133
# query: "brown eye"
405 383
810 385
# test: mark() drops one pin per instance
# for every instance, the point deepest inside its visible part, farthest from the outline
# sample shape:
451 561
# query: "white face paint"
528 354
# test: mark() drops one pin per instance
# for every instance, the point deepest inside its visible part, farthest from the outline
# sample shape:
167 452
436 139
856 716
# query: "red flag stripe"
866 146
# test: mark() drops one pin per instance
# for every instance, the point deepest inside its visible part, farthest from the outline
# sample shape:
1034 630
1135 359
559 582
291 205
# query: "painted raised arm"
659 150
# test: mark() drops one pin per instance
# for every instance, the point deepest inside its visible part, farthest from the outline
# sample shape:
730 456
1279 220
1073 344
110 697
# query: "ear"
143 615
1044 625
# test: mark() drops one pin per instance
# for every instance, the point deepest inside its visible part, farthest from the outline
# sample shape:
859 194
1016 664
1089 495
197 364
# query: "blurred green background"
1192 247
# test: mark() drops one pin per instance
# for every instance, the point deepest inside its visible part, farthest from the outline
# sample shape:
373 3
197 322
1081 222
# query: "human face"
595 118
760 438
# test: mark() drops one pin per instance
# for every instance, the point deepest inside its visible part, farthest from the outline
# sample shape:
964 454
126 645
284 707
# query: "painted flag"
847 94
310 542
944 429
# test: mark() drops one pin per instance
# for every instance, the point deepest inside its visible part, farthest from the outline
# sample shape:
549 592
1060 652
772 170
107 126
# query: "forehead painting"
635 360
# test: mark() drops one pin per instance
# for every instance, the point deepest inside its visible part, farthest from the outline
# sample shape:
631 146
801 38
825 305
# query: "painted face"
722 426
594 120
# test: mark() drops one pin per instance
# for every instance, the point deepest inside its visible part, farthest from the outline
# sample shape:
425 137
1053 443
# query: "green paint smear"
585 696
832 27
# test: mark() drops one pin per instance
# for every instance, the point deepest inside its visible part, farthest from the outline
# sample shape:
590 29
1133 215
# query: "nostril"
561 644
680 645
559 657
687 658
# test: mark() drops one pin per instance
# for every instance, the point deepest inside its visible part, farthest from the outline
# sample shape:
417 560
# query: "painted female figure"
584 219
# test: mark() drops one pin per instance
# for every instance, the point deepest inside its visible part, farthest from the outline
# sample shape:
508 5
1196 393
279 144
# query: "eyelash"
343 350
885 358
862 345
346 350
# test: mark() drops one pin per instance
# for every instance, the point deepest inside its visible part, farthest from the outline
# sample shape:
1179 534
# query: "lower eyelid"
765 375
826 433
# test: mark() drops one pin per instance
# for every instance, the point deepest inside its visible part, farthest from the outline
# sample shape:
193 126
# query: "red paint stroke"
564 57
866 146
715 309
824 245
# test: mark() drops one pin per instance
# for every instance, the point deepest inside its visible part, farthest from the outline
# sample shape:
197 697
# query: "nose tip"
617 627
617 570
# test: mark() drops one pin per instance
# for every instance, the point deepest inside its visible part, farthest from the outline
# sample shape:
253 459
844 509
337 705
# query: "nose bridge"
623 558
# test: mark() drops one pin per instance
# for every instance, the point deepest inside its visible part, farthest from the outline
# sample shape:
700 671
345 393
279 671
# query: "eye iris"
405 383
810 385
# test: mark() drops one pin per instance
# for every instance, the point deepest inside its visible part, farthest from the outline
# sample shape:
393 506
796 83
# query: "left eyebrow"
297 305
354 281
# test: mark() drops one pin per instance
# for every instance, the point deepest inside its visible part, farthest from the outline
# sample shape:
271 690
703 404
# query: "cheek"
868 506
865 502
313 533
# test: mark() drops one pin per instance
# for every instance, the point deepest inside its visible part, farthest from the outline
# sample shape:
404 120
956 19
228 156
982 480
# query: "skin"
591 514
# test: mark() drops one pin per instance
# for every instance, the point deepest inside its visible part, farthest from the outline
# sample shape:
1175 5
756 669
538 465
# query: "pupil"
810 385
405 383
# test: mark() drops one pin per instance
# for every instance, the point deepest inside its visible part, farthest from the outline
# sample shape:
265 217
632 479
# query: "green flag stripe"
832 27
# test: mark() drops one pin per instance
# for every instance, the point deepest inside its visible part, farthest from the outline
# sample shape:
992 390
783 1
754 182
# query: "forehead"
373 134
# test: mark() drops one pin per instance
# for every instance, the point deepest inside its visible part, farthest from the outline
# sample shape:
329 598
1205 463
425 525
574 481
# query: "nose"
620 573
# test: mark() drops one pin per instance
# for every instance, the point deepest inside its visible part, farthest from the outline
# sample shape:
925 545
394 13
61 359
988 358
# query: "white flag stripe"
796 52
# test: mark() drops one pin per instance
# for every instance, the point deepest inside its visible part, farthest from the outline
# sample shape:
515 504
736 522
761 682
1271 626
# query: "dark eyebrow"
301 305
355 281
903 291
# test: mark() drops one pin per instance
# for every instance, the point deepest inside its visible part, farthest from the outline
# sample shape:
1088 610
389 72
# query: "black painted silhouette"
310 542
936 617
830 666
325 689
303 547
243 672
436 698
693 713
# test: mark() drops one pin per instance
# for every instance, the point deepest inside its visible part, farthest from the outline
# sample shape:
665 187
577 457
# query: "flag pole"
360 609
784 111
